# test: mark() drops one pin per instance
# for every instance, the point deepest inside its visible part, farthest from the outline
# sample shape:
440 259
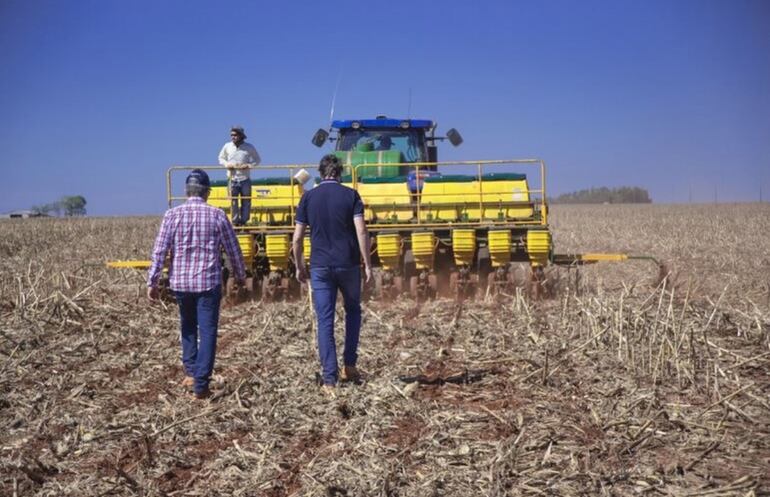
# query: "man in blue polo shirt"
339 241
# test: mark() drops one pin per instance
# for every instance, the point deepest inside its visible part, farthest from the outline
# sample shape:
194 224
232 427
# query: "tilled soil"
620 384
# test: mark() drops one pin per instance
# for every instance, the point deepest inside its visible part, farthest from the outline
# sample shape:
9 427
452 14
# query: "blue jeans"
199 317
325 281
240 191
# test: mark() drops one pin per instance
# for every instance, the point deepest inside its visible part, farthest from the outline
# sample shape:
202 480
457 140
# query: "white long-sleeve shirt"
232 155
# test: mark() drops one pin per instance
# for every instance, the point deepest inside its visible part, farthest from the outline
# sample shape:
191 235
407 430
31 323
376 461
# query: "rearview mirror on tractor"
454 137
319 138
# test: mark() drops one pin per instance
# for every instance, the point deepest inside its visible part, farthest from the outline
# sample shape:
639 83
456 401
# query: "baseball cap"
198 177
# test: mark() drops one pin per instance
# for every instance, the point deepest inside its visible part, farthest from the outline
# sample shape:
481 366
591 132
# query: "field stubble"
619 385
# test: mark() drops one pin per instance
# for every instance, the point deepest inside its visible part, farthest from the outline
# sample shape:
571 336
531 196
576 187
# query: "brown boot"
205 394
350 373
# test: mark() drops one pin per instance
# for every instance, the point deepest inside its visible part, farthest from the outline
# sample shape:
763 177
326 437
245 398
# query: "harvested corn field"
621 384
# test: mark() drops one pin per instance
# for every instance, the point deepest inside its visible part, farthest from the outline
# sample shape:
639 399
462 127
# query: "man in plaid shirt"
195 232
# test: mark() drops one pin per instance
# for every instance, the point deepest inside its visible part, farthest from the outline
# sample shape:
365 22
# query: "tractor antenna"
409 108
334 96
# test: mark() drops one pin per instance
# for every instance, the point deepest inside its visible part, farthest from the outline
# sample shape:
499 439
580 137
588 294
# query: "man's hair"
196 190
330 166
239 130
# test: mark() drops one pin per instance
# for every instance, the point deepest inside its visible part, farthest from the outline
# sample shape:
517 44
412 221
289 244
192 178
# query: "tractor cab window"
410 142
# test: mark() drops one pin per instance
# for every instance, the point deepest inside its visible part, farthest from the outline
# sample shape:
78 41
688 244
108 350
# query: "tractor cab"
392 144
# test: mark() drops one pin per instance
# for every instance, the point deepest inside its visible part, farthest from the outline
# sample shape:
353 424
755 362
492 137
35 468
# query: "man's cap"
198 177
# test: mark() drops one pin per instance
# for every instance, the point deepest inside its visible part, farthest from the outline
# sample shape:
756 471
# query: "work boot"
350 373
202 395
329 391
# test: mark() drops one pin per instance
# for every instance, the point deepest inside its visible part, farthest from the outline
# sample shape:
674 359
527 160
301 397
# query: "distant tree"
74 205
54 207
604 195
47 209
40 210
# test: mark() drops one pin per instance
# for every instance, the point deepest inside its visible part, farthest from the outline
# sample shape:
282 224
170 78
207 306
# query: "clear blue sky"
98 98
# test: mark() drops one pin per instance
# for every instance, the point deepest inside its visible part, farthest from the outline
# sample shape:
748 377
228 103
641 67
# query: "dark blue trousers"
325 282
241 193
199 317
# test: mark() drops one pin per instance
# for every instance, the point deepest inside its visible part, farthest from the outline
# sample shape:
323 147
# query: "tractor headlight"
355 125
404 124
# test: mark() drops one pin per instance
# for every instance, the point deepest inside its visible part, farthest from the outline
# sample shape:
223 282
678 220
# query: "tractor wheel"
443 282
378 291
518 275
473 285
432 285
268 292
453 283
513 281
231 292
492 288
250 289
538 288
414 287
284 287
398 286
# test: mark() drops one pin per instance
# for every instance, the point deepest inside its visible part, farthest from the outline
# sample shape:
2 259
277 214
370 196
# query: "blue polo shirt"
329 209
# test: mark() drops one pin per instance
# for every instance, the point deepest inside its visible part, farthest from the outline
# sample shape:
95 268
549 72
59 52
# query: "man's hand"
301 273
153 293
367 274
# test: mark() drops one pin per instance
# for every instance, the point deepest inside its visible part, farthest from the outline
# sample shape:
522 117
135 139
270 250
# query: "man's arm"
297 249
223 156
159 251
300 226
232 249
363 245
361 234
256 159
224 160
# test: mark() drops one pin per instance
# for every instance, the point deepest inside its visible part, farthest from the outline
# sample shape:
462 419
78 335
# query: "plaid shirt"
194 232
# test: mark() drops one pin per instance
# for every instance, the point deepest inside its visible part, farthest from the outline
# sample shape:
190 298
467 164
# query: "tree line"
68 205
604 195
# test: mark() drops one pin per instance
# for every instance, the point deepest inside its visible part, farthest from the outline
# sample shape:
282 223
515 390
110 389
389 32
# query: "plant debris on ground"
621 383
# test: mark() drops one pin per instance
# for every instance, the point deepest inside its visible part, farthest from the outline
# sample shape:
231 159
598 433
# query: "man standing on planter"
339 241
239 157
195 233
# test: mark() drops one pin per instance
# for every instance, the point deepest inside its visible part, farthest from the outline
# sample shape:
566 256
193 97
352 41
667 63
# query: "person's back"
196 242
329 209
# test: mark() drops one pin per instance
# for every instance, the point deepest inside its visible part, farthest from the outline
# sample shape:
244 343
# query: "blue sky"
98 98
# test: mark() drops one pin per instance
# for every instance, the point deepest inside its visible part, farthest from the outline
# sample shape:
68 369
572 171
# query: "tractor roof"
382 122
